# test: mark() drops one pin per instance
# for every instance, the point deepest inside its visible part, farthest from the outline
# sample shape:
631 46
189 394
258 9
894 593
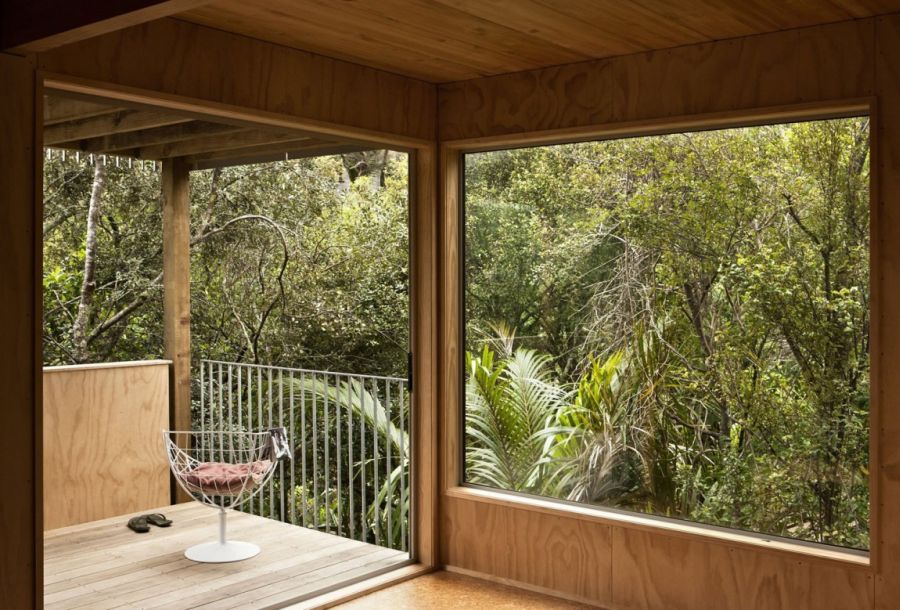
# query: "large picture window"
676 325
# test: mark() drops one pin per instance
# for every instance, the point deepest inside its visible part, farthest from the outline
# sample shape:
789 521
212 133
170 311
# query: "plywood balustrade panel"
103 449
20 339
886 344
184 59
569 556
821 63
651 570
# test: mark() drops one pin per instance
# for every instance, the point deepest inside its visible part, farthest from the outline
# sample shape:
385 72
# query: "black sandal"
158 519
139 524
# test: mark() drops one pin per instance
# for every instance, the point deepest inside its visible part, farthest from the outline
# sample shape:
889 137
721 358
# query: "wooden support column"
21 523
177 288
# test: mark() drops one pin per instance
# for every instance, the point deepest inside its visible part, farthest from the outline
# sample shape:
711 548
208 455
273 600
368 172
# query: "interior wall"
20 355
611 562
178 58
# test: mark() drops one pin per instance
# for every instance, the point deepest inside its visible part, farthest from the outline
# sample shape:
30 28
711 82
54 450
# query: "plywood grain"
451 40
651 570
183 59
565 555
20 317
823 63
103 450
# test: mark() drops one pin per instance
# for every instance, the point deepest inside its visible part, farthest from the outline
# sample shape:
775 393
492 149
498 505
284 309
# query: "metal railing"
349 436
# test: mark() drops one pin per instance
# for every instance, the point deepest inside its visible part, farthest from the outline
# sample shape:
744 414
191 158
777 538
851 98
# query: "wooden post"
176 223
21 522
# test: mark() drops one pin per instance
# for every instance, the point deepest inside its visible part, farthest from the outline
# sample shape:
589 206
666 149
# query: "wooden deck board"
104 565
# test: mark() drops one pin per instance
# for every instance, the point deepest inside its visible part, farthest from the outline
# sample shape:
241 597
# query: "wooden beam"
63 109
31 26
176 223
118 142
291 146
323 150
208 145
107 124
20 342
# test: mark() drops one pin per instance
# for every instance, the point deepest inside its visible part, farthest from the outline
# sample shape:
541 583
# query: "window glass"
676 325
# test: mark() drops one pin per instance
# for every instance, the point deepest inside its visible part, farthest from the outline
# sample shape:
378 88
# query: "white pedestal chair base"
217 552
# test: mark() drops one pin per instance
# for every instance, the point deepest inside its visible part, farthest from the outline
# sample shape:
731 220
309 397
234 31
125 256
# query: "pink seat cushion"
221 479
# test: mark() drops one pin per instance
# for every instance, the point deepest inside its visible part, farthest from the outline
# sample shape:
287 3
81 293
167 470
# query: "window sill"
846 557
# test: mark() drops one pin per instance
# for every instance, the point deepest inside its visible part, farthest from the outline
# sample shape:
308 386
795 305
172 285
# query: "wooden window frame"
453 483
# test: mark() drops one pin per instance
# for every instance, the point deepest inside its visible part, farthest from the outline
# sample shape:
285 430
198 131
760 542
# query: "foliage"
703 299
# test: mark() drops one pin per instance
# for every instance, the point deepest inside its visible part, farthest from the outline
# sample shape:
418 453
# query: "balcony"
338 512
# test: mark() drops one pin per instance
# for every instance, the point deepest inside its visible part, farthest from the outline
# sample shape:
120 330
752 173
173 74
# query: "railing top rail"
297 370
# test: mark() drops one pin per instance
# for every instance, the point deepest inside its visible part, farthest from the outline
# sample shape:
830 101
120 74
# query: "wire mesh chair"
223 470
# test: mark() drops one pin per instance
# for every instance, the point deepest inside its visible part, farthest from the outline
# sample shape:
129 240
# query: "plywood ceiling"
450 40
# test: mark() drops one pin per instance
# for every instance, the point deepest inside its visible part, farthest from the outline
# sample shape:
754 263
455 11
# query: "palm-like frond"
509 404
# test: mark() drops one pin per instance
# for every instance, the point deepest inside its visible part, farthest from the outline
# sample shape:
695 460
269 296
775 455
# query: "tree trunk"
89 282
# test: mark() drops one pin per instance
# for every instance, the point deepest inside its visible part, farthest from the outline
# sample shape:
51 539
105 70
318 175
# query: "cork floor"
454 591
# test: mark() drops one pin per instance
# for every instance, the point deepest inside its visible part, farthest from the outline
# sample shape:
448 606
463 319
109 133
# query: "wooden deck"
103 564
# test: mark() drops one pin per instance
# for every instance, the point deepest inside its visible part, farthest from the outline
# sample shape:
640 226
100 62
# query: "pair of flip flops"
141 524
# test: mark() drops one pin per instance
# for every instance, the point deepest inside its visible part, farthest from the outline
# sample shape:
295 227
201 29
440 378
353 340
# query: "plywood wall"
611 562
183 59
823 63
103 448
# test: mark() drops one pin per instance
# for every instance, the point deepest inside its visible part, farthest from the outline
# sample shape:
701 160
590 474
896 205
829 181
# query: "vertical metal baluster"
389 448
202 407
337 424
212 409
240 397
315 416
231 457
271 481
281 425
304 479
327 454
363 533
259 419
290 441
404 466
350 493
250 426
221 419
375 507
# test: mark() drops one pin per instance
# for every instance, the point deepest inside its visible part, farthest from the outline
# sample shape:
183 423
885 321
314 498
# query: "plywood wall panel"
20 339
652 570
565 96
569 556
179 58
822 63
103 449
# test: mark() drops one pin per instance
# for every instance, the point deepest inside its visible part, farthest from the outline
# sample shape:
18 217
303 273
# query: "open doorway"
278 296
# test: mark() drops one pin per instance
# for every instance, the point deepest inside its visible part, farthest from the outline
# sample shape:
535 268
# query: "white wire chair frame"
222 469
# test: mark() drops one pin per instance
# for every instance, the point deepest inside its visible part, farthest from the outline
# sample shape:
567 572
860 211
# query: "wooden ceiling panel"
449 40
